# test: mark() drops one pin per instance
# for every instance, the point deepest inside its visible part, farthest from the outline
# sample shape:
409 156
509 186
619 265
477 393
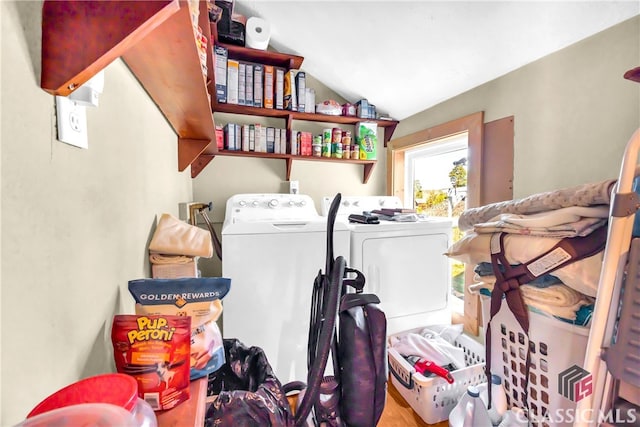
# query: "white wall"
574 112
75 223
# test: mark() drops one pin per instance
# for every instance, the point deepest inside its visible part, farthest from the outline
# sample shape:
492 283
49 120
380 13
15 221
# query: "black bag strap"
357 282
509 278
354 300
510 289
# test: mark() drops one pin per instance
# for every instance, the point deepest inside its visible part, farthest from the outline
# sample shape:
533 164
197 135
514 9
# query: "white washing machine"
273 246
403 262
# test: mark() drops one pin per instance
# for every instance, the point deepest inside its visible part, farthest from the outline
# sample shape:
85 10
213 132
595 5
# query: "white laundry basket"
557 350
432 398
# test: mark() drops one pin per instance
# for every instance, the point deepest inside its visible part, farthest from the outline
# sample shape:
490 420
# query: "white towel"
557 300
436 350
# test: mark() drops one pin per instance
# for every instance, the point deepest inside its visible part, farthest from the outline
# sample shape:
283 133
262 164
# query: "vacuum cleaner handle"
331 220
325 339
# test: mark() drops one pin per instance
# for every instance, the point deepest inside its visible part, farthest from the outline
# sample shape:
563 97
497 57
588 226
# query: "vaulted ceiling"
406 56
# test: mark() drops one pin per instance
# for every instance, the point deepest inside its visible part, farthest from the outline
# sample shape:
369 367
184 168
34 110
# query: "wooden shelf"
388 125
368 164
265 57
157 42
80 38
286 61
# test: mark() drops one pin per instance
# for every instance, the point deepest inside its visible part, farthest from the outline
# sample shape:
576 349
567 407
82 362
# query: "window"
437 172
401 156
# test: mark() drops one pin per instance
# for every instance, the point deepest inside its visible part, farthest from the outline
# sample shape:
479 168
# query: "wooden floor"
398 413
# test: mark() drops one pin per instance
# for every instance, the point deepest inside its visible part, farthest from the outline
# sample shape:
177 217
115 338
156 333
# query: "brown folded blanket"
170 259
175 237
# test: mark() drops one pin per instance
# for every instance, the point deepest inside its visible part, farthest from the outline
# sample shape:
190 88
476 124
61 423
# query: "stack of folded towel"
533 226
175 246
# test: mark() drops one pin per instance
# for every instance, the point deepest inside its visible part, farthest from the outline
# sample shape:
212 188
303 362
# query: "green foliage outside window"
436 203
458 175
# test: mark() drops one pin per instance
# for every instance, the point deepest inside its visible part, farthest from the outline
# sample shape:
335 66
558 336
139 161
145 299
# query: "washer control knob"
302 203
356 203
242 203
291 203
273 203
255 203
346 203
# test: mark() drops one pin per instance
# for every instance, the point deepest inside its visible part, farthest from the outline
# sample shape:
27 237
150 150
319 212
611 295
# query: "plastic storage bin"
433 398
86 414
114 389
556 346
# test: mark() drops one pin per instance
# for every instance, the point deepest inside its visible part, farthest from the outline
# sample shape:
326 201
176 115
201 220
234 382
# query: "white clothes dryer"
403 262
273 246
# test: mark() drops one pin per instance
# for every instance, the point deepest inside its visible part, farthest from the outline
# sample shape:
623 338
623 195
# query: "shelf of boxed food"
268 142
389 126
285 80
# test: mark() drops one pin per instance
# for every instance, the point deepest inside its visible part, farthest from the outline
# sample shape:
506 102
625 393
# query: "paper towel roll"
258 32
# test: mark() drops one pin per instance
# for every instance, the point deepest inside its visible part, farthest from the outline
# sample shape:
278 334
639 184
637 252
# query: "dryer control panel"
358 204
269 207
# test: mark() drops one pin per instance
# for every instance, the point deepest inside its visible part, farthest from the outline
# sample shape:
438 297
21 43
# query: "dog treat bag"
155 350
199 298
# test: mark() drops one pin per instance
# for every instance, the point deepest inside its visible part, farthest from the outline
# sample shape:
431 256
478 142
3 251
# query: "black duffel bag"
249 394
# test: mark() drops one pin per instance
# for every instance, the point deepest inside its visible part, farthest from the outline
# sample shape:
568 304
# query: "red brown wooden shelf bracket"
368 169
189 150
289 165
80 38
200 163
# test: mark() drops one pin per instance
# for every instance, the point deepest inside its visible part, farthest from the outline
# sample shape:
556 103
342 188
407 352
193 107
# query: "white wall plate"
72 122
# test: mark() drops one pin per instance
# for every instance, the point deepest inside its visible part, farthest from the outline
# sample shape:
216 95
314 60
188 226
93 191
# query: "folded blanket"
555 217
581 227
582 275
170 259
583 195
582 315
557 300
175 237
486 269
540 282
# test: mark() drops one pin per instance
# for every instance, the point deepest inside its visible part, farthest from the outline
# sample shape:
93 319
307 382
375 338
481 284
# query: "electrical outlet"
72 122
294 187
